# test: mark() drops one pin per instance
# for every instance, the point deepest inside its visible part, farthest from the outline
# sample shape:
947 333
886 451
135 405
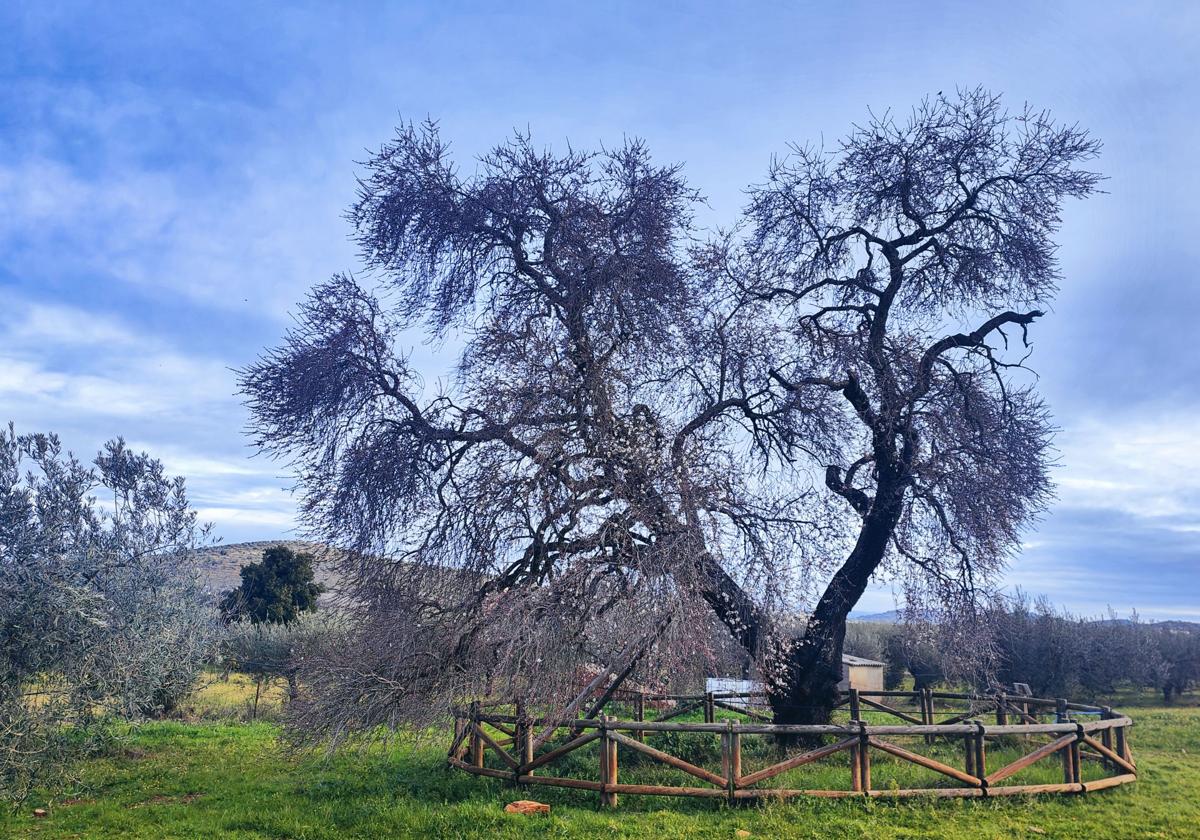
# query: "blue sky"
172 182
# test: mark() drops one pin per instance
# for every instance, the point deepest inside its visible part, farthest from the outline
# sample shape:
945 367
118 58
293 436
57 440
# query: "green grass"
230 779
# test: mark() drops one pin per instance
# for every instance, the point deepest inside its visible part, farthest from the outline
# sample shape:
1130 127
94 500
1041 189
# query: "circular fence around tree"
942 747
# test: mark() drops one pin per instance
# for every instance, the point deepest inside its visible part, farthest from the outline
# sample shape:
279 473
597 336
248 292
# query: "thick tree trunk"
804 689
803 675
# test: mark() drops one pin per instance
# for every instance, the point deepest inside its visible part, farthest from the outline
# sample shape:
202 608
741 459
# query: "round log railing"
523 748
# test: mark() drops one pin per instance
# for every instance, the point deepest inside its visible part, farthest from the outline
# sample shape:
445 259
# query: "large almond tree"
644 425
910 264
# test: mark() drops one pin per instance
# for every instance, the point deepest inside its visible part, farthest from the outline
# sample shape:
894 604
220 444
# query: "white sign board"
719 685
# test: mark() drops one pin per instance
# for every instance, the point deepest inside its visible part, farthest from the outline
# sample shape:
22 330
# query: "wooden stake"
727 761
981 753
864 757
607 799
856 768
1122 747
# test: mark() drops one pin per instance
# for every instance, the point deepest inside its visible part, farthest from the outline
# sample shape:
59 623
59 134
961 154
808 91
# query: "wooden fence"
527 747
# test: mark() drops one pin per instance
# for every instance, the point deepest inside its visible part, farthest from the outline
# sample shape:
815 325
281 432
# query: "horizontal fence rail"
524 750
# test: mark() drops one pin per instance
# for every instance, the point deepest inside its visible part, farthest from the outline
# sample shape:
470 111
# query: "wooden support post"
612 769
476 743
608 764
855 705
1001 709
969 750
1122 747
1077 759
523 739
981 753
1072 759
709 710
927 711
1060 711
736 752
856 768
864 757
727 761
639 714
1106 738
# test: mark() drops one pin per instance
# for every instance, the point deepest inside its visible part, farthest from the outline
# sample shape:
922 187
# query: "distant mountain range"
889 617
894 617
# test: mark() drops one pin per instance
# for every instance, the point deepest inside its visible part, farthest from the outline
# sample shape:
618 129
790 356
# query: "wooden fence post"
981 754
476 741
1068 758
727 761
855 705
927 711
864 758
1122 743
608 764
1001 709
709 711
1106 738
856 767
639 714
523 739
1077 756
735 752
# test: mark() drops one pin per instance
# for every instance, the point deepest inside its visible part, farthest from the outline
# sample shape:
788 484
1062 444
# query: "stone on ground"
527 806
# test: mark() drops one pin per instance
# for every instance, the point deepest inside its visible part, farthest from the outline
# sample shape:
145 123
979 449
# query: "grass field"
229 778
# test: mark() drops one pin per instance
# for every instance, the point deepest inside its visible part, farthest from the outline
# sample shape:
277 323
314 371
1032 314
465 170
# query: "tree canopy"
101 602
649 422
275 590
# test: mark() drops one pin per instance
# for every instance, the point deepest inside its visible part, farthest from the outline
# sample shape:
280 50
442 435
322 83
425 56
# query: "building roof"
847 659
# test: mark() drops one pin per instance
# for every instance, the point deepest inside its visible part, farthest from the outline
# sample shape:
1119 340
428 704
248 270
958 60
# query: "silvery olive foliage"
103 612
274 650
649 424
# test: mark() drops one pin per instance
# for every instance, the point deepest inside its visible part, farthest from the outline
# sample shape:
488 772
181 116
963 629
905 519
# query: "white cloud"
91 378
39 324
252 238
276 520
1146 466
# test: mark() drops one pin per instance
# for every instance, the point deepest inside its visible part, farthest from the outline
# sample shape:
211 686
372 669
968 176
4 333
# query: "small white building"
863 674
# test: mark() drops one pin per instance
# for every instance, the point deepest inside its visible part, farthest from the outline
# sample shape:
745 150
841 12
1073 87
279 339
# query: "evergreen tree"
275 590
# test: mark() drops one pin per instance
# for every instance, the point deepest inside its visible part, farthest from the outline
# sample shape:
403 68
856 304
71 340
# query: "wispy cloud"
171 184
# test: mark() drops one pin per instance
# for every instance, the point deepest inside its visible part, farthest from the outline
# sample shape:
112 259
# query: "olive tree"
102 607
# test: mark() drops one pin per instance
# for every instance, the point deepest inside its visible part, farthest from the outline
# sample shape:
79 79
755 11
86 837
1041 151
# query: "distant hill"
893 617
889 617
222 564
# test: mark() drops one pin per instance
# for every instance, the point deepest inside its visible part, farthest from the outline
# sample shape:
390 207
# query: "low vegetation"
218 774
